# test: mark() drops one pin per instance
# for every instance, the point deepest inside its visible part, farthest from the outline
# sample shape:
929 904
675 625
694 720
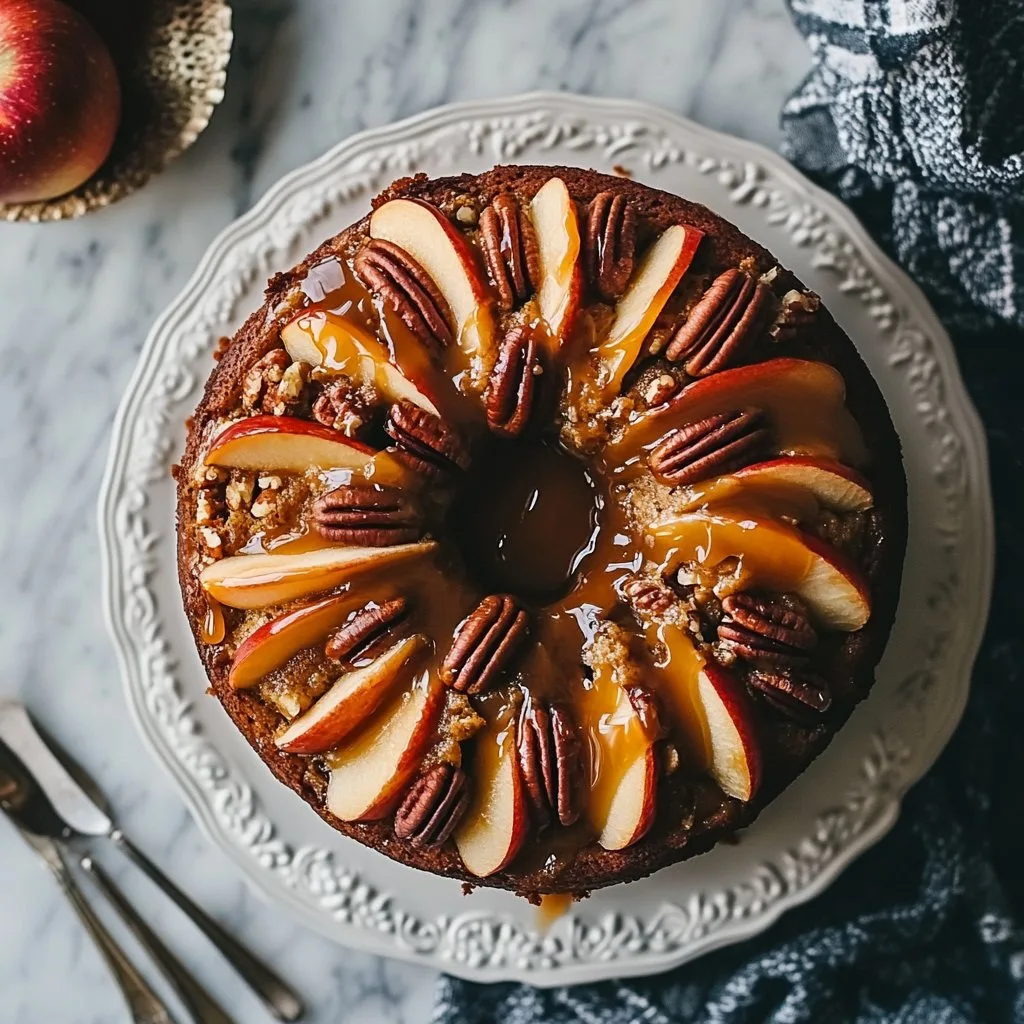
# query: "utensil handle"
200 1004
276 996
145 1005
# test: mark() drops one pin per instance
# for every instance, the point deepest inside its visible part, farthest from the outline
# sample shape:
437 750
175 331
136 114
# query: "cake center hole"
528 517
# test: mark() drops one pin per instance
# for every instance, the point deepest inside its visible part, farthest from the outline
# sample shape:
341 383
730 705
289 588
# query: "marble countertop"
79 299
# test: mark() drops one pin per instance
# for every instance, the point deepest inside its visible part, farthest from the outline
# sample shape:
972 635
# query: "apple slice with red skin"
497 821
774 556
369 773
735 748
653 282
560 288
321 338
623 769
712 707
290 445
350 701
826 483
258 581
273 643
427 235
803 400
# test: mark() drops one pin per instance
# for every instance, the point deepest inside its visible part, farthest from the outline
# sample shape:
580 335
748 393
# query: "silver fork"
145 1005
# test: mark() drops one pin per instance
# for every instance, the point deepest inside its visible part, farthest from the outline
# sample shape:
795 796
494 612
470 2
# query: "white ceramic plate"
843 804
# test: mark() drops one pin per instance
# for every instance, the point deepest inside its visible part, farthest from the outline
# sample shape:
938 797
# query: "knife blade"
77 809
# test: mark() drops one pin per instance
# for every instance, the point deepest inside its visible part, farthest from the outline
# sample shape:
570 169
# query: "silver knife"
81 815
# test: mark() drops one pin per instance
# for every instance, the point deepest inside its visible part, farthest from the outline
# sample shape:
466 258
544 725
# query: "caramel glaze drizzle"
601 552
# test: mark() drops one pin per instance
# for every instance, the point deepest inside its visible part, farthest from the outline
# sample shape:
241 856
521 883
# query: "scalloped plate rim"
411 127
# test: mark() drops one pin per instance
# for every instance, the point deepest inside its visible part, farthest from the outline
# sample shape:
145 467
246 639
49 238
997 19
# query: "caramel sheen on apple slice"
370 771
350 701
324 339
711 707
771 555
653 282
496 822
795 486
273 643
424 232
561 277
803 400
258 581
620 801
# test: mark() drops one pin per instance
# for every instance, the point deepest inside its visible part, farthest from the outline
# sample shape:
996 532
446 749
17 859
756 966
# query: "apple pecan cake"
540 528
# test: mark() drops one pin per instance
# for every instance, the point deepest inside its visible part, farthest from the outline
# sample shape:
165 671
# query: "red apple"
60 102
325 339
654 281
558 248
496 823
369 773
350 701
773 556
803 400
259 581
424 232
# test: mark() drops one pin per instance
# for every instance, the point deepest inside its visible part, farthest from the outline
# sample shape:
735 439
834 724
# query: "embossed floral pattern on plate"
848 798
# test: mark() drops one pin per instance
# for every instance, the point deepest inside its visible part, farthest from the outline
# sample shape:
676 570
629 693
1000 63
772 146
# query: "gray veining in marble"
78 300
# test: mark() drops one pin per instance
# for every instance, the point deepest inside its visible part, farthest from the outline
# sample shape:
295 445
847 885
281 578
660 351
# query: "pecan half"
796 314
407 288
424 443
649 596
720 444
370 624
274 384
648 710
797 696
341 408
549 751
720 325
432 808
509 399
484 644
510 248
367 514
768 630
610 249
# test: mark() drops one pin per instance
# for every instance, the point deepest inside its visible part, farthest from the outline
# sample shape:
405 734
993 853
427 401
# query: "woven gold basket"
172 58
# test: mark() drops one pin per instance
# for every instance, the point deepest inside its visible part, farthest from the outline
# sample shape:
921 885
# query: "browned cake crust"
789 746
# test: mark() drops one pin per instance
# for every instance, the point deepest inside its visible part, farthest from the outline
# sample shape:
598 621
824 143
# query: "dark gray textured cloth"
914 113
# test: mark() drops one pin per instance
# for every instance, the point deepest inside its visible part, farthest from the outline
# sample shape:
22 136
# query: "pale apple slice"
558 248
620 799
735 749
273 643
773 556
712 708
350 701
653 282
424 232
828 483
287 444
369 772
258 581
324 339
496 822
803 400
